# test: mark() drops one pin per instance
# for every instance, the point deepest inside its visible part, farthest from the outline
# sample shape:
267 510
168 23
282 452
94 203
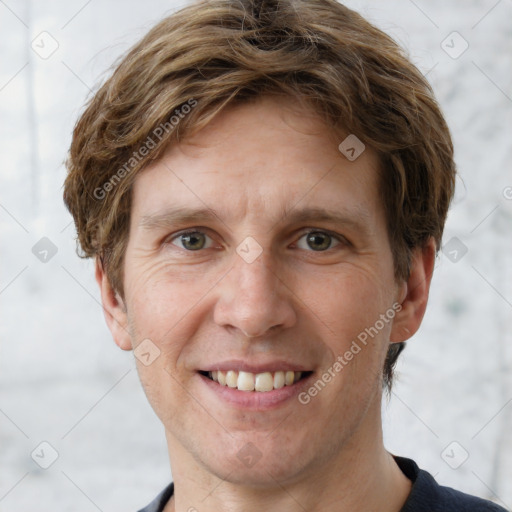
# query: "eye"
318 241
192 240
195 240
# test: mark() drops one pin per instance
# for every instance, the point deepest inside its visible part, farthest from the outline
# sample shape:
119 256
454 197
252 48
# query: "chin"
258 464
266 472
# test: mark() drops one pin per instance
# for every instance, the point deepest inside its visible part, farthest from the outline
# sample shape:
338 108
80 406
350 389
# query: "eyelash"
340 239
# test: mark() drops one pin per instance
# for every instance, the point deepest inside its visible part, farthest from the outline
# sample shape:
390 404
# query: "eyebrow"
358 218
177 215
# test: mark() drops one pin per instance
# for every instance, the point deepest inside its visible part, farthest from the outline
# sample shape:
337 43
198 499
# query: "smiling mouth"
257 382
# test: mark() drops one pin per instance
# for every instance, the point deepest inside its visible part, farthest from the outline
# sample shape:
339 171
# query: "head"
237 108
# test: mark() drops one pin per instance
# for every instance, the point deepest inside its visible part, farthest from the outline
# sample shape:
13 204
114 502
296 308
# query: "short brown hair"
217 52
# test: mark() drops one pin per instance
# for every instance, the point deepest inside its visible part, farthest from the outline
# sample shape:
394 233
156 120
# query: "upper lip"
253 367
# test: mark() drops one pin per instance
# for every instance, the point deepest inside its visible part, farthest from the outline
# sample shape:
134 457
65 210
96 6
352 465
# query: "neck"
361 476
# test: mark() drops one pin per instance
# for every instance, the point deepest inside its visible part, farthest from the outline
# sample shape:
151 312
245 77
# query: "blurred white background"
64 382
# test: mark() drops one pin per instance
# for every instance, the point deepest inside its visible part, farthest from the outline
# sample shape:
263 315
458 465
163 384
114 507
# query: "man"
264 187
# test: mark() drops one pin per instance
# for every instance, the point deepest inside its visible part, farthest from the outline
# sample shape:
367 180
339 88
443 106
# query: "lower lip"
256 400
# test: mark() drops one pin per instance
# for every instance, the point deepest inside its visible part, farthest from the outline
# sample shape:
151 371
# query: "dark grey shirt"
426 495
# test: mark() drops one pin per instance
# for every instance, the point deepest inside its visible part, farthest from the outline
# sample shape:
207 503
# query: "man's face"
211 301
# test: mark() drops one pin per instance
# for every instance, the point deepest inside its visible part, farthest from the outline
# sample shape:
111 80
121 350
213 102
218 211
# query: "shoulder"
158 504
428 496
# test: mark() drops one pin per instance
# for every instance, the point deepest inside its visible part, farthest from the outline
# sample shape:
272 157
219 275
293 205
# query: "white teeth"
231 379
278 380
264 382
247 381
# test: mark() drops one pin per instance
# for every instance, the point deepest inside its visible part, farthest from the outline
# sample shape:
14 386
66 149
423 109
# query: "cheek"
161 310
167 306
350 300
161 295
349 311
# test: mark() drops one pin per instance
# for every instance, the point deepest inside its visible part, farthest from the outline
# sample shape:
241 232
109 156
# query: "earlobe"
414 294
113 309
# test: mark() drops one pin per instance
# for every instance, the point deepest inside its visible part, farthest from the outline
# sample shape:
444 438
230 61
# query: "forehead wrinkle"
356 218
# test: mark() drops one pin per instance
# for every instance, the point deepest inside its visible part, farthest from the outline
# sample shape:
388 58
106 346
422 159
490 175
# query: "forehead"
263 158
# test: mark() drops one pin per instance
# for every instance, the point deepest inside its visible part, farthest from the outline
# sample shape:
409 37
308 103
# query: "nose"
254 298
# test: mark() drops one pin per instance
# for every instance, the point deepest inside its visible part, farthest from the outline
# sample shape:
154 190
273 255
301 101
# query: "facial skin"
256 166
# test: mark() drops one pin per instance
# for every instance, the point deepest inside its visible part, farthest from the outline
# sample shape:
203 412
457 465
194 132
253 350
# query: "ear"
113 309
414 293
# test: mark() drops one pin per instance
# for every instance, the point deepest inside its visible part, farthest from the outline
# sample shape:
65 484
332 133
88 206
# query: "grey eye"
192 240
318 241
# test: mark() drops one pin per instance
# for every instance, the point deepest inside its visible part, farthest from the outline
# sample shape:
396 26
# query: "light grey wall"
64 382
